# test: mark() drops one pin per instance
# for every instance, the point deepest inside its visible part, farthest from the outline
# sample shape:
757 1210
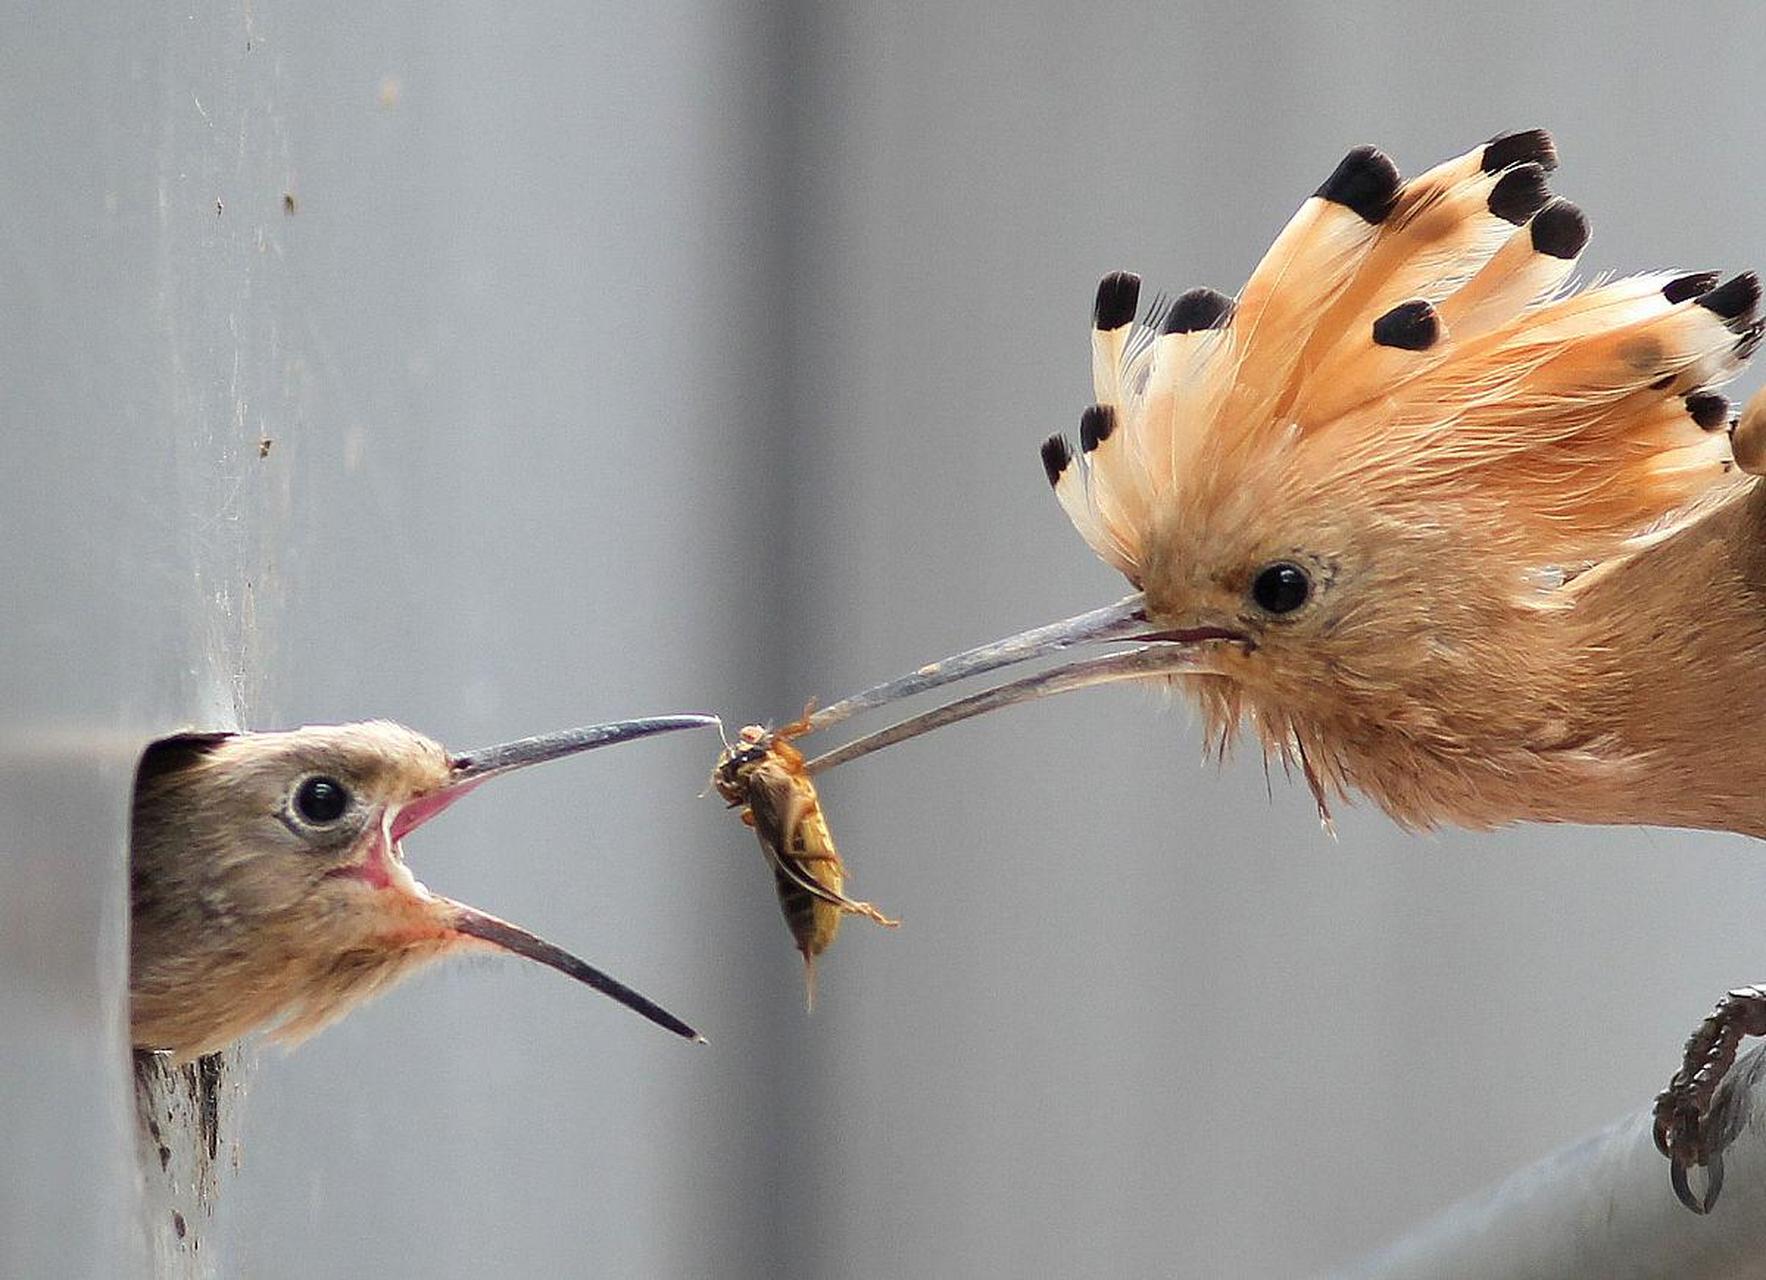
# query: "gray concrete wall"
676 357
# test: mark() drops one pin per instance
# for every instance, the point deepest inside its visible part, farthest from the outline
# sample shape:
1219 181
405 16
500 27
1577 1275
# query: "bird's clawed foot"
1687 1127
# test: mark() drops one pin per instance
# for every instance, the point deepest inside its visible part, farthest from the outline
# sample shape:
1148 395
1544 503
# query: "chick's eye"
321 800
1281 588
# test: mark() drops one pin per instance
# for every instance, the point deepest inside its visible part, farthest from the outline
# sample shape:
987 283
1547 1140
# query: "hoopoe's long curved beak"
1155 653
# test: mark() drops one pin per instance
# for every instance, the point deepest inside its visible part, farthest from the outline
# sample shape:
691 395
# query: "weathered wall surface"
355 365
689 357
146 331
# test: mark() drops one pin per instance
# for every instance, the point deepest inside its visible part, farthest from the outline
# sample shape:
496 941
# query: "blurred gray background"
624 359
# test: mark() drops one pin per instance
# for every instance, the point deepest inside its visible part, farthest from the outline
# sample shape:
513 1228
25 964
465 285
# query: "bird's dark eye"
321 800
1281 588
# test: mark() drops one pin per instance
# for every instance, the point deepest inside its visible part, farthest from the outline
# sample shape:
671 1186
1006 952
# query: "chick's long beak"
518 941
505 757
469 769
1156 653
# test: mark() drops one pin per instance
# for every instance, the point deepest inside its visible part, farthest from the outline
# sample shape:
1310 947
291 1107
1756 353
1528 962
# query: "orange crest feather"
1413 345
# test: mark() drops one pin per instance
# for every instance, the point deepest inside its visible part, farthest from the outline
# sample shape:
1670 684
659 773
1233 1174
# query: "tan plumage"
1440 531
237 923
1501 497
268 883
1434 526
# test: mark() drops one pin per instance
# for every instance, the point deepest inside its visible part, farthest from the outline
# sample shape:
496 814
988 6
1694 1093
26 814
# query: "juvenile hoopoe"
268 883
1434 523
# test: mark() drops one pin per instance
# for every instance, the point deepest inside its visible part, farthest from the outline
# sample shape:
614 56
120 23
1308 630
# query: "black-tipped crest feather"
1560 230
1096 425
1119 294
1683 288
1365 181
1198 309
1519 194
1056 455
1525 146
1409 326
1735 299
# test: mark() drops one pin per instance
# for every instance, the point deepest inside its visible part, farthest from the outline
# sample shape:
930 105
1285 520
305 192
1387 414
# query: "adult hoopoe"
1434 523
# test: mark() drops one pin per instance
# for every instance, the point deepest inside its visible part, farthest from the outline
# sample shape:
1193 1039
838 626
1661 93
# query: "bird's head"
269 879
1344 496
1405 439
